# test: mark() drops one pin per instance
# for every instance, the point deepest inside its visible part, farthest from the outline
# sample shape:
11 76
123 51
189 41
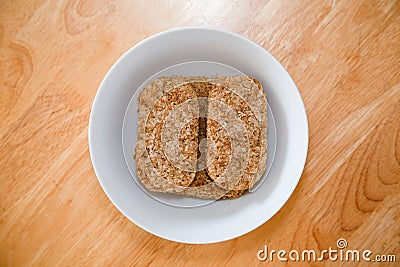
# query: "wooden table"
343 56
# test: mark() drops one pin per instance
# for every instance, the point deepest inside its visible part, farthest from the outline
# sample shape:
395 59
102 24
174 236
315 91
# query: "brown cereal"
158 157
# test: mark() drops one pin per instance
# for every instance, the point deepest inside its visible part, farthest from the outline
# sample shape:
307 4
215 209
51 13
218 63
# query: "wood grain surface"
343 56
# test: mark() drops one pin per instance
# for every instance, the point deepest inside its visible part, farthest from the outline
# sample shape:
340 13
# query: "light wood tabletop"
343 56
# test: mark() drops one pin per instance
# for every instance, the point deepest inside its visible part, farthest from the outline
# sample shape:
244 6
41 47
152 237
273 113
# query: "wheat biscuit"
155 102
161 147
246 97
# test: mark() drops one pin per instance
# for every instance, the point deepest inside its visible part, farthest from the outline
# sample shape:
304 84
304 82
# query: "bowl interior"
130 129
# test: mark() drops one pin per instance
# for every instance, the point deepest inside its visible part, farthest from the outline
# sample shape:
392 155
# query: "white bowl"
221 220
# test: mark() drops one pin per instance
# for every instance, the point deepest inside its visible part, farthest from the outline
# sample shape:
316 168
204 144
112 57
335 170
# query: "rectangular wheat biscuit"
153 168
246 97
156 102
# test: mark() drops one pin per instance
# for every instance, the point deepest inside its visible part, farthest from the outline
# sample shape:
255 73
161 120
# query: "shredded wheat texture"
202 137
